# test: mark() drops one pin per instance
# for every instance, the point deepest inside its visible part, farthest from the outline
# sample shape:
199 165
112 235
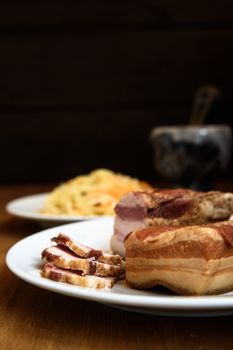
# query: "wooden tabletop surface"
33 318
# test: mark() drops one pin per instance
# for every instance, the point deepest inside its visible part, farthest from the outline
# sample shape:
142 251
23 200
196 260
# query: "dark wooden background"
83 82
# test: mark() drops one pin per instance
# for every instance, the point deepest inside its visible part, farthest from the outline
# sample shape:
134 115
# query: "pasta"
91 195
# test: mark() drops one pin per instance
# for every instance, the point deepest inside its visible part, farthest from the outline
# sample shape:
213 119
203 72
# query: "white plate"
23 259
29 207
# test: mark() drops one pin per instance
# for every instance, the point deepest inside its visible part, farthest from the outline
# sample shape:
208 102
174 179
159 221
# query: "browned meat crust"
191 260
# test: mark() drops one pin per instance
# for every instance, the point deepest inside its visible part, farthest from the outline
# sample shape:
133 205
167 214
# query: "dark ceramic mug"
191 156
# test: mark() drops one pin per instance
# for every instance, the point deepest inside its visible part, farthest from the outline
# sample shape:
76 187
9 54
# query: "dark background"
82 83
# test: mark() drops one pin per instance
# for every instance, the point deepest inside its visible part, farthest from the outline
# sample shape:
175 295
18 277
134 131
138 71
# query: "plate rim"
196 304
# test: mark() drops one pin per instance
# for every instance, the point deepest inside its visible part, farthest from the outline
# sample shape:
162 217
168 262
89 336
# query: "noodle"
91 195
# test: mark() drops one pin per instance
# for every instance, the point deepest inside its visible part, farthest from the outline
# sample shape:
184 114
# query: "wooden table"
33 318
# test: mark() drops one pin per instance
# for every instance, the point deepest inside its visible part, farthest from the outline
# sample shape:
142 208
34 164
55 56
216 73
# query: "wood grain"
35 319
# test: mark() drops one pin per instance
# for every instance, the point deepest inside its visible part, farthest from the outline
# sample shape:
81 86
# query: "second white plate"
29 207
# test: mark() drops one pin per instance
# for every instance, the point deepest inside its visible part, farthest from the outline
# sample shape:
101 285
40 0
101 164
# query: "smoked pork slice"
78 248
138 210
84 251
63 257
72 262
73 277
190 260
